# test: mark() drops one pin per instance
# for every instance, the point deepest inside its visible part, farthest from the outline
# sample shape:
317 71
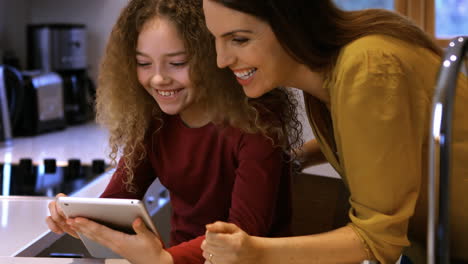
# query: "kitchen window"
443 19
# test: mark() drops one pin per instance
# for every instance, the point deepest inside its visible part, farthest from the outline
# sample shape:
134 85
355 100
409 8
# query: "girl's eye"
177 64
143 64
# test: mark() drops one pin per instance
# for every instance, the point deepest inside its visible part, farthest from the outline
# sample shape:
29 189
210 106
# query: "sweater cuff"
188 252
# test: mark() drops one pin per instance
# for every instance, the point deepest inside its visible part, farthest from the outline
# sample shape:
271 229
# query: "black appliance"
61 48
33 100
48 178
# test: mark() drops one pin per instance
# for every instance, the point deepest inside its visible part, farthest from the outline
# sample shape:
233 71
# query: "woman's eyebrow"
236 31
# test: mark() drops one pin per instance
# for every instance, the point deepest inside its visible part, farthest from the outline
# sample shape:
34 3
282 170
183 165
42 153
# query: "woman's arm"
338 246
228 244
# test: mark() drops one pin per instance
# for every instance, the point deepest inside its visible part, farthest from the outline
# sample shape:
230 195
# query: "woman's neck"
310 82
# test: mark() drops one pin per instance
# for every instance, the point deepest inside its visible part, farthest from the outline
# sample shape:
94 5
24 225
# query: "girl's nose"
160 79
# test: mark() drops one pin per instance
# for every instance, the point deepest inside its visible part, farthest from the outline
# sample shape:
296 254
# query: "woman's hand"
57 219
226 243
143 247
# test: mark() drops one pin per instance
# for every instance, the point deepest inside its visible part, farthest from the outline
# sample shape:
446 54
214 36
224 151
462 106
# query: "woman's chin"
253 92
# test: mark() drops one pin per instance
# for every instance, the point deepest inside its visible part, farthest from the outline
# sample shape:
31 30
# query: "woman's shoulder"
382 46
376 42
375 52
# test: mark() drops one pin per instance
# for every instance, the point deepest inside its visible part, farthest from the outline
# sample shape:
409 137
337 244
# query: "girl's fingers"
53 226
222 227
54 213
140 228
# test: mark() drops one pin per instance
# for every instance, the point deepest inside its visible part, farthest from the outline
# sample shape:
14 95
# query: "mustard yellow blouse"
375 134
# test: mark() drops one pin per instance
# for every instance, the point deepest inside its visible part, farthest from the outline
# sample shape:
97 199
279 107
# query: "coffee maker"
61 48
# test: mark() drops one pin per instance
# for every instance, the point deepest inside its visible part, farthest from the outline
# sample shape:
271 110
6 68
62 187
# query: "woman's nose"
223 57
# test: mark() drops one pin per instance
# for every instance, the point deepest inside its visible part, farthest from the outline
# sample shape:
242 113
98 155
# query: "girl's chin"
170 111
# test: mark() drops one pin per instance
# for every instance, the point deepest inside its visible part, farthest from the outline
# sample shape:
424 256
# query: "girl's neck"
197 115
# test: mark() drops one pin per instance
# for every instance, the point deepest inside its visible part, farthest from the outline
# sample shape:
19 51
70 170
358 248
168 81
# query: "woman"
170 115
368 79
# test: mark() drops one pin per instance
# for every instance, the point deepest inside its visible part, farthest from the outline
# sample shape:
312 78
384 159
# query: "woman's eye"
239 40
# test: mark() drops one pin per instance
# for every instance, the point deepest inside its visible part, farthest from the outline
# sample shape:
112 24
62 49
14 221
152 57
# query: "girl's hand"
226 243
57 219
143 247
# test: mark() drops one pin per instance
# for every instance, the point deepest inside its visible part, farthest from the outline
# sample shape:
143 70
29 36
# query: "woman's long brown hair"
314 31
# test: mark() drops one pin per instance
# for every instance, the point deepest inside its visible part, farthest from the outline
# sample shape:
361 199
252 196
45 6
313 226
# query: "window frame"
422 12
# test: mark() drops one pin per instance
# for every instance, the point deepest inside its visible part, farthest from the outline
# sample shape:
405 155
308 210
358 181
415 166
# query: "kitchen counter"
22 220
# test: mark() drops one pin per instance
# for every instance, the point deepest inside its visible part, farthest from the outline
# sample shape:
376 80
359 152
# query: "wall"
12 24
98 16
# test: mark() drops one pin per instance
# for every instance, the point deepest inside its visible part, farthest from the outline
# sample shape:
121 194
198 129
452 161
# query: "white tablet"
117 214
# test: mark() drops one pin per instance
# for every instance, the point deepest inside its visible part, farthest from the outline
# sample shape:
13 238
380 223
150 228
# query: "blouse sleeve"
380 148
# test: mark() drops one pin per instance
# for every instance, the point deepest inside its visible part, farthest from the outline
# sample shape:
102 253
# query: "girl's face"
249 48
162 66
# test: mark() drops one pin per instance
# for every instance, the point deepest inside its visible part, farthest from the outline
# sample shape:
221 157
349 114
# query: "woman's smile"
245 76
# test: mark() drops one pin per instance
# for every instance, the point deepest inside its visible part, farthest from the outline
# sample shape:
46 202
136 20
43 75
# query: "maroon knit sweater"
212 174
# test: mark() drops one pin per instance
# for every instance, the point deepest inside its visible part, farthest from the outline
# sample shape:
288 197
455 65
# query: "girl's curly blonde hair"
125 108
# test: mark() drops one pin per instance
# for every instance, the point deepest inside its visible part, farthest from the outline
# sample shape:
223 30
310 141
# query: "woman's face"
162 66
249 48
